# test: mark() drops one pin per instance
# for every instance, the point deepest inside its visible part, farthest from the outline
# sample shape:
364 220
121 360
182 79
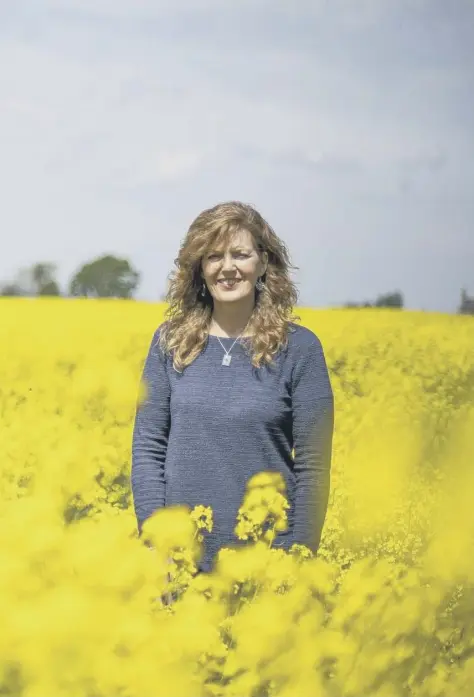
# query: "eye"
241 255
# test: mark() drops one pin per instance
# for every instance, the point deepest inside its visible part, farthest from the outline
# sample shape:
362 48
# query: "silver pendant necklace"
227 358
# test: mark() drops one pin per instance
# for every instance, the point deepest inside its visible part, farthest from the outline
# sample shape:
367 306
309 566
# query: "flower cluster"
263 511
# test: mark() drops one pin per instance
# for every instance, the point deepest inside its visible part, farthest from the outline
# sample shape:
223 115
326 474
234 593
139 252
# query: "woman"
233 385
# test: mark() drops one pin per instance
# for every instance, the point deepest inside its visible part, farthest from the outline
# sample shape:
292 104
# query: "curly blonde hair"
188 317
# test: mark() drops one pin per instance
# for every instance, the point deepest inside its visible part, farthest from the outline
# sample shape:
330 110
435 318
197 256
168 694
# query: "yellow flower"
202 517
263 510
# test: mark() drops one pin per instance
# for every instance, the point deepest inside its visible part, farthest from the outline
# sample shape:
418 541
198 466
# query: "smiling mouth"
228 283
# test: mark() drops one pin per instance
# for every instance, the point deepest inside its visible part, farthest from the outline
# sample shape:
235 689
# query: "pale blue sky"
347 124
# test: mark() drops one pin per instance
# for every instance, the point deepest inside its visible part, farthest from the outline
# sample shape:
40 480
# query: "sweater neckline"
227 338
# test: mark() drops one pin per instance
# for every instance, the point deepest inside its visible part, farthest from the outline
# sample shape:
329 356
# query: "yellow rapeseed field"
386 608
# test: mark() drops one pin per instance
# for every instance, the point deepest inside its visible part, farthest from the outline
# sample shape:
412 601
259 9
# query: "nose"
228 263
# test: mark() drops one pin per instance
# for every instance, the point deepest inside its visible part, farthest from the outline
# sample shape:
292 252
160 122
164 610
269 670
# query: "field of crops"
386 609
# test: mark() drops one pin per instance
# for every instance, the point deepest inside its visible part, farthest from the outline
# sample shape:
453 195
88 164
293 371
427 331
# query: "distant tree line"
105 277
387 300
395 300
109 276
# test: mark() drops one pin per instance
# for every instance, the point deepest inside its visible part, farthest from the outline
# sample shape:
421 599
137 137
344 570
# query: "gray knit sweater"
201 434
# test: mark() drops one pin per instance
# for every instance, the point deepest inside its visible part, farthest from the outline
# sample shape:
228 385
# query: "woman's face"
231 272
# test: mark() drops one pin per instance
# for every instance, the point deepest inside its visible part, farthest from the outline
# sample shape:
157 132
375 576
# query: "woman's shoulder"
158 329
301 337
155 338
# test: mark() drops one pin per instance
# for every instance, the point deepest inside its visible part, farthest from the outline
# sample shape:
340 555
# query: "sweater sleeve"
313 426
150 436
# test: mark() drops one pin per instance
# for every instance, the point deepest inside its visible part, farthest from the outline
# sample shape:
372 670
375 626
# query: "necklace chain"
227 358
228 351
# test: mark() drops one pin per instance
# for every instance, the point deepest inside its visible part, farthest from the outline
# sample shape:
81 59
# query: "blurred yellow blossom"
202 517
384 608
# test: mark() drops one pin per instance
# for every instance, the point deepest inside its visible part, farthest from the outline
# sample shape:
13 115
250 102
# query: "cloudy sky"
347 123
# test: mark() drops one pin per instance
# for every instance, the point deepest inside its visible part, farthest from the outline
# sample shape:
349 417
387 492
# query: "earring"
260 284
203 290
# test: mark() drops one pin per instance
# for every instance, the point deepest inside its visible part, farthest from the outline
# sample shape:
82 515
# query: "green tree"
466 306
49 288
43 279
106 277
390 300
11 290
34 280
